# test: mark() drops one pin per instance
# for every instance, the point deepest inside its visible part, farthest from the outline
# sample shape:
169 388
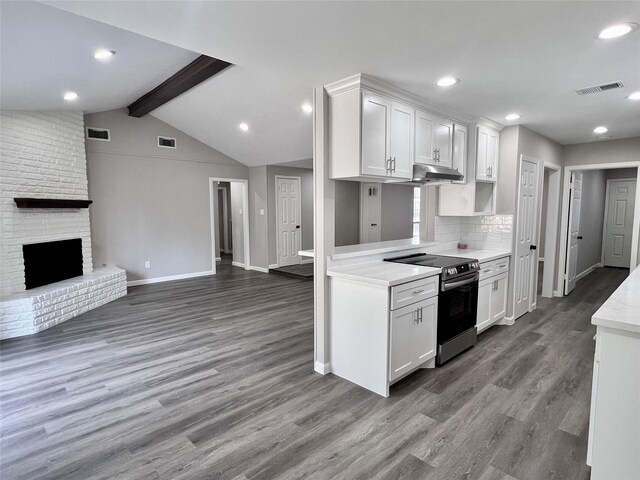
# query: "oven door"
457 306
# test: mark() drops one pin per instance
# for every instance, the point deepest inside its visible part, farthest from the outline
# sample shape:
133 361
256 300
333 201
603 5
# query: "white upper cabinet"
375 135
377 132
487 141
459 155
434 140
401 128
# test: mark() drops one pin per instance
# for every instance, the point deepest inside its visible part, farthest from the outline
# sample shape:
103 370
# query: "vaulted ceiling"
526 57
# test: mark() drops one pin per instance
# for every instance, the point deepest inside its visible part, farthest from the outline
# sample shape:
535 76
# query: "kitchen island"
614 424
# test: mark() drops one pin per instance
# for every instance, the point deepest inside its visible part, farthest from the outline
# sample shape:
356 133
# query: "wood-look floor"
212 378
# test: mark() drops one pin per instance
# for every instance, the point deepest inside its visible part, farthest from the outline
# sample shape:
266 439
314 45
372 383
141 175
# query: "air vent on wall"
101 134
166 142
599 88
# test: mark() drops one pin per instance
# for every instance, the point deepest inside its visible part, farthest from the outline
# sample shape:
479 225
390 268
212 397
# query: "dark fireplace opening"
51 262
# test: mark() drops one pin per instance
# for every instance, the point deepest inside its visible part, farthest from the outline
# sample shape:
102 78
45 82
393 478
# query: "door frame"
551 232
564 225
213 190
275 182
606 211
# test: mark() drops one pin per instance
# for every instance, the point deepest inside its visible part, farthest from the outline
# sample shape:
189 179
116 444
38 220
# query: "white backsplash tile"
493 232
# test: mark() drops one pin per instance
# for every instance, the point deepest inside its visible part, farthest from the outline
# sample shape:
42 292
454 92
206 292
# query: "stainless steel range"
457 301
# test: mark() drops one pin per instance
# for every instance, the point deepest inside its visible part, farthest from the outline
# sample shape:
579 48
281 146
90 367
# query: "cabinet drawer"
487 269
501 265
408 293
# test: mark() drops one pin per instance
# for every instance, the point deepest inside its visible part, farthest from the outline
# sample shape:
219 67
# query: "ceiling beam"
196 72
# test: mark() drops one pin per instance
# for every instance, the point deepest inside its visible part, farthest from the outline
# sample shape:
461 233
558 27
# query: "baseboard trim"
237 264
259 269
170 278
588 271
506 321
218 259
273 265
322 368
558 293
307 260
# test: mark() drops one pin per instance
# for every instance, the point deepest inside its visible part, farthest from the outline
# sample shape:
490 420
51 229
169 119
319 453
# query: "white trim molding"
170 278
238 264
588 271
322 368
565 214
506 321
258 269
273 265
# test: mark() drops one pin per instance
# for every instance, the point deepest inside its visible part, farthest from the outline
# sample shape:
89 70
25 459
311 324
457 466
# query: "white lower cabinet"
412 337
492 293
380 333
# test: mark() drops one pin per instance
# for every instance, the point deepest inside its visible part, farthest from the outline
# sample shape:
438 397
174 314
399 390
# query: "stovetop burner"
451 266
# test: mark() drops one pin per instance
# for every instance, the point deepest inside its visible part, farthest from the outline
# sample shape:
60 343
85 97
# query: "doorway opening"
548 231
229 202
600 220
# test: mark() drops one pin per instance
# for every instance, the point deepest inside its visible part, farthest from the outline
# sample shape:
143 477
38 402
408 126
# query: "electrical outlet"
147 264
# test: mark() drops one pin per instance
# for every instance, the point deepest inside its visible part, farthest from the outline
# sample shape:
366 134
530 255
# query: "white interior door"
575 195
370 212
526 258
619 223
288 219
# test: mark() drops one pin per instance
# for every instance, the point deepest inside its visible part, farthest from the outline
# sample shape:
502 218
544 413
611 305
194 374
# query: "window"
416 212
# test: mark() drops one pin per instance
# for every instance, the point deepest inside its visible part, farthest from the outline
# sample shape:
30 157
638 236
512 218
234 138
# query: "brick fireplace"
43 156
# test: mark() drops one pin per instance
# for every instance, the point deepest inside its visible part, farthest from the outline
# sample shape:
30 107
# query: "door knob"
579 237
297 226
532 247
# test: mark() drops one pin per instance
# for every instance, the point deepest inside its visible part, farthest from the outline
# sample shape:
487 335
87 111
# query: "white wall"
347 216
259 224
594 186
43 156
152 203
608 151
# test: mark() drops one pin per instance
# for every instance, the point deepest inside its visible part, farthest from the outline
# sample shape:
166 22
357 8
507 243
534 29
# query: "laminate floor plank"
212 378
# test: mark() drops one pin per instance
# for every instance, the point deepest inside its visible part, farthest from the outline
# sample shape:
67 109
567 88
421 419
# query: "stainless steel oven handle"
451 285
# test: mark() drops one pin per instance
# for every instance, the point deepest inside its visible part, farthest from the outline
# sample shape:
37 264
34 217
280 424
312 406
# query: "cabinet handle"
394 165
420 315
416 292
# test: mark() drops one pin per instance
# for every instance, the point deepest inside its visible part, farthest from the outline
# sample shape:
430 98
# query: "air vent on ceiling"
599 88
166 142
101 134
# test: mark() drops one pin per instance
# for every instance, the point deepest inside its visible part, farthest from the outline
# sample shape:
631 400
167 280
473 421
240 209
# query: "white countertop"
306 253
362 249
383 273
622 309
480 255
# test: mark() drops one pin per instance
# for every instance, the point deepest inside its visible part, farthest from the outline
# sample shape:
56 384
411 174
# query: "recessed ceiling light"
634 96
70 96
103 53
307 108
244 127
618 30
600 130
447 81
513 116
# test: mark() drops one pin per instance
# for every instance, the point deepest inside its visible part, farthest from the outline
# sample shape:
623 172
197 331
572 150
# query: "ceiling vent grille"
166 142
599 88
102 134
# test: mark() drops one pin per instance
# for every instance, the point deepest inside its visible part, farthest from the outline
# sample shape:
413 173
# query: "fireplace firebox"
51 262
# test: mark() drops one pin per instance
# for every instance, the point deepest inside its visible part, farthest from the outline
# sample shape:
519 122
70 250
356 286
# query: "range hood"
433 173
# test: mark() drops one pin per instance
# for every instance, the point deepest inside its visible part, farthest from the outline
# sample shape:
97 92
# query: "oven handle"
451 285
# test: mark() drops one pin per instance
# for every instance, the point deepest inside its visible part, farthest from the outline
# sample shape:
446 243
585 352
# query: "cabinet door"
492 154
444 143
376 112
459 156
424 334
401 140
484 304
401 355
499 298
424 136
482 142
